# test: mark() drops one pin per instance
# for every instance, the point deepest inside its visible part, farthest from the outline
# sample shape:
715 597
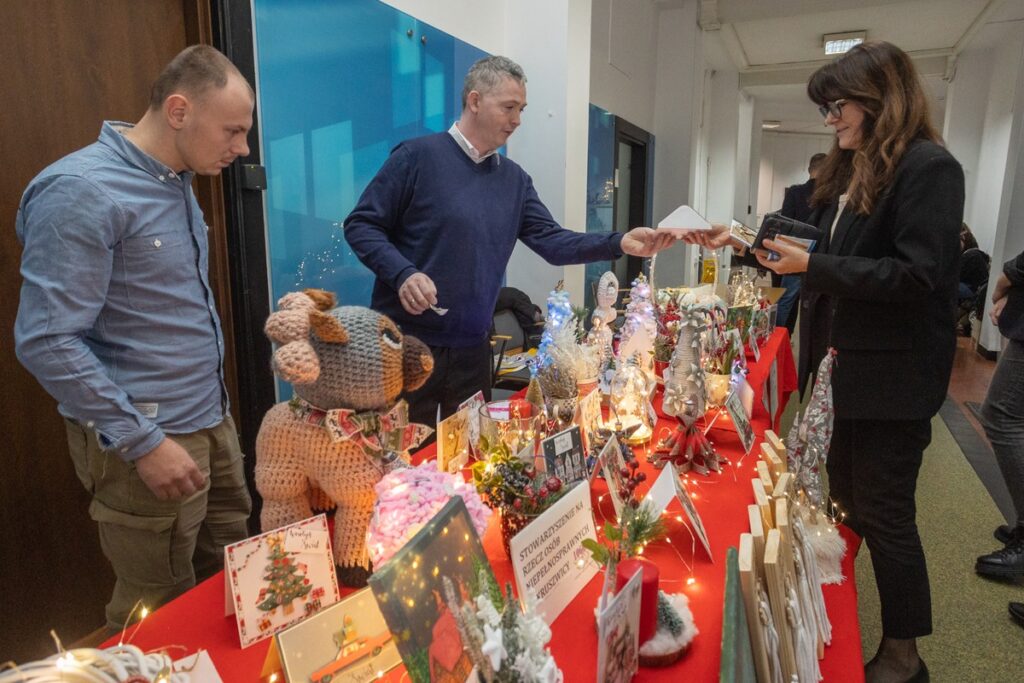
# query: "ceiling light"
838 43
768 125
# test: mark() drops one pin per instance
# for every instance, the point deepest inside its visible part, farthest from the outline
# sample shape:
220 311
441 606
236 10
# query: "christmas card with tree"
410 593
279 578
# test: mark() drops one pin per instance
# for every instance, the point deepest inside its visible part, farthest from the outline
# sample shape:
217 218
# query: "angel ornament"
685 399
604 316
769 634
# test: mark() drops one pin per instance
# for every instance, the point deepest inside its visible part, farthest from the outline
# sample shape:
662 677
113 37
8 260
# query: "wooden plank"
765 475
784 486
775 578
764 502
773 439
757 532
749 576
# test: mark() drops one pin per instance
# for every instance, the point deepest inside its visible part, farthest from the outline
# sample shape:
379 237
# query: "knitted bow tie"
379 434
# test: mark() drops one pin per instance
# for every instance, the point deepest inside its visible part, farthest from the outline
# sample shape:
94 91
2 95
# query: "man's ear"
473 101
176 107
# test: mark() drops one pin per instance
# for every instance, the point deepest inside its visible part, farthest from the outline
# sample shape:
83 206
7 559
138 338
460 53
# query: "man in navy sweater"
437 226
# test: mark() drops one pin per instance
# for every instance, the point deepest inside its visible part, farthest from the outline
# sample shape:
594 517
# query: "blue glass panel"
600 179
340 84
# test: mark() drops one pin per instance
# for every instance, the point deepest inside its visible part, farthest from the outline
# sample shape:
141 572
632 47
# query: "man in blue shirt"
117 322
437 226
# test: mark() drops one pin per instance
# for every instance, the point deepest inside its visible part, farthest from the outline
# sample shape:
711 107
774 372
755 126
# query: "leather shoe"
1007 563
921 676
1004 533
1017 612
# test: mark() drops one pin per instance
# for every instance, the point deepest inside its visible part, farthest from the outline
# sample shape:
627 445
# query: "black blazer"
882 291
796 201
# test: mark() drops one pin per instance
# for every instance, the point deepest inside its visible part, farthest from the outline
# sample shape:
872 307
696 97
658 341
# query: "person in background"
880 287
117 322
437 225
974 265
796 204
1003 418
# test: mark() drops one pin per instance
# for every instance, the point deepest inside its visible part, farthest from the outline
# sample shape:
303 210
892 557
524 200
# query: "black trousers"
872 473
458 374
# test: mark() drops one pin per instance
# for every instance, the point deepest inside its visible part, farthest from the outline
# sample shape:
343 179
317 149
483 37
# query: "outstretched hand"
715 238
645 242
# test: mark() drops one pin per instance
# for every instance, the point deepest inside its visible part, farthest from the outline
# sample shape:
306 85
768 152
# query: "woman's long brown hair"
880 78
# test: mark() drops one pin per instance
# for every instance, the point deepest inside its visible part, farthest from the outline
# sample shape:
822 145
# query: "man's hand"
996 311
715 238
169 471
645 242
791 259
1002 287
417 294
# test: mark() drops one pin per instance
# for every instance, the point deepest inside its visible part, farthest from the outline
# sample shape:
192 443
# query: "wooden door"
67 66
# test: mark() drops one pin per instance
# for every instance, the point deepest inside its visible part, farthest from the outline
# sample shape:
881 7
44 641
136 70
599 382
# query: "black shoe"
921 676
1017 612
1004 533
1007 563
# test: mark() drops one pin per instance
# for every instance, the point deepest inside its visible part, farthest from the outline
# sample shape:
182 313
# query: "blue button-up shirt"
117 319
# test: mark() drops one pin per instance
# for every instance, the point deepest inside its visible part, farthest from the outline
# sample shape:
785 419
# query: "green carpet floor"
974 638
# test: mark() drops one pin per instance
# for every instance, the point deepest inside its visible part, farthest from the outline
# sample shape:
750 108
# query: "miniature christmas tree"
639 311
560 314
668 618
285 583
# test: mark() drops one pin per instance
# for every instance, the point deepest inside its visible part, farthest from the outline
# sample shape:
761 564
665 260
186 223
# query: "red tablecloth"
195 620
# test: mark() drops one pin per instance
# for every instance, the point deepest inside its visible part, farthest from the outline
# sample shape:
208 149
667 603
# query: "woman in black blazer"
880 287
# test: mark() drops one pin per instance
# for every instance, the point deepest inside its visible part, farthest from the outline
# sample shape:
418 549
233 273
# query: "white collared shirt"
468 147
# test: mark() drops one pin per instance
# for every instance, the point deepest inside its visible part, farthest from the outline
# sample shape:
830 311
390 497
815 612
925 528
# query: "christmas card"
453 441
611 464
348 642
474 403
279 578
410 593
563 456
618 634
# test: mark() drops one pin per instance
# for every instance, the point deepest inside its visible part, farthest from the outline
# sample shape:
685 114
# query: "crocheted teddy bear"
345 427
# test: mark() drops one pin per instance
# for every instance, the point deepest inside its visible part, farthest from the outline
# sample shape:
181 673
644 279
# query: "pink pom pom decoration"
408 498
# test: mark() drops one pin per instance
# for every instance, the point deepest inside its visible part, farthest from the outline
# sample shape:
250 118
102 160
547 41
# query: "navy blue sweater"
431 209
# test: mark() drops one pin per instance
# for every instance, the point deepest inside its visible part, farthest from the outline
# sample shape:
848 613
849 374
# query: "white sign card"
618 634
548 557
737 412
453 441
696 523
280 577
663 490
199 668
590 417
564 457
610 463
474 403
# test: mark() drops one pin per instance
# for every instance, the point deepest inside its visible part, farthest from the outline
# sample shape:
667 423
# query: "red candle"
648 593
519 407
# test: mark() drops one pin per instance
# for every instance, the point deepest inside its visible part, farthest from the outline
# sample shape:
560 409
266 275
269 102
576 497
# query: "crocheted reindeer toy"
345 427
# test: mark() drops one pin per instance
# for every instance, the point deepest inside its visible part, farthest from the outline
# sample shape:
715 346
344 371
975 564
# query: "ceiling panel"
913 26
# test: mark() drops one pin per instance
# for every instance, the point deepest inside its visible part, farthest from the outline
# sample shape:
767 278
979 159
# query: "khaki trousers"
159 548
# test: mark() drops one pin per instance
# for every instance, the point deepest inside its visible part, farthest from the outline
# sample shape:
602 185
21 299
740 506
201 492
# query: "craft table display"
196 619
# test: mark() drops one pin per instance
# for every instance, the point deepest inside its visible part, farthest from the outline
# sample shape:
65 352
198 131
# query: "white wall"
784 158
677 109
551 41
624 44
478 23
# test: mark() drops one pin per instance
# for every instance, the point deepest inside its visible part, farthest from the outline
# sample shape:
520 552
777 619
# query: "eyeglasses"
834 108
